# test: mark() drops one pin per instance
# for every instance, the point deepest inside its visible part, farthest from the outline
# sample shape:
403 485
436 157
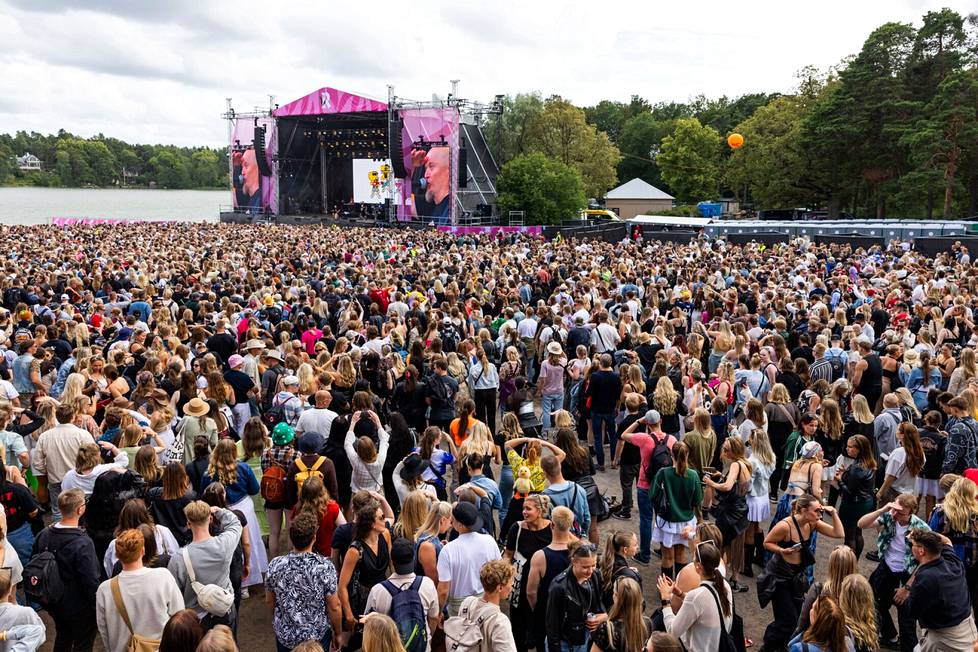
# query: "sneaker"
244 593
873 555
638 560
737 587
624 516
601 468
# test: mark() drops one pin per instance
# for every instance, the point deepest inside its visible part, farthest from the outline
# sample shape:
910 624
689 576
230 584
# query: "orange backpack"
273 483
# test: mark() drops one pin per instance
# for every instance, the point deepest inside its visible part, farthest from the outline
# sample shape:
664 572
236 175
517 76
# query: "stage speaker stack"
463 165
395 150
259 143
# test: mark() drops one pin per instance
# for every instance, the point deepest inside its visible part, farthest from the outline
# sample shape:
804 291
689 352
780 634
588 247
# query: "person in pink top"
655 447
309 338
550 384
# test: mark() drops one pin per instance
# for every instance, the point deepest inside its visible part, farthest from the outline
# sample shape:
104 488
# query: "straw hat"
554 348
196 407
254 344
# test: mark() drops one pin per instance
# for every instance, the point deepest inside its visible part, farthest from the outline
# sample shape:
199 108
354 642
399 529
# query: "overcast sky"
160 71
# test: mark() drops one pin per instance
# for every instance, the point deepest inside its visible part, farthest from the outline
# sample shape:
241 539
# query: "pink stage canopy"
328 100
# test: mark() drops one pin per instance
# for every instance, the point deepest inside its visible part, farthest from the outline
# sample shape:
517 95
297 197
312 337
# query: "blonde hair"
856 601
761 447
432 522
831 419
664 398
479 441
860 409
842 563
380 634
414 514
223 466
959 505
779 394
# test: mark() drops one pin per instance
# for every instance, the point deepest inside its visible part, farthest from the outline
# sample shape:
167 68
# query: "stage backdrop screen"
429 143
374 182
250 190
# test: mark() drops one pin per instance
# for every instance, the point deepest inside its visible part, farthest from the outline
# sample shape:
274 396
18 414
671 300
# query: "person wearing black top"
21 510
937 594
630 458
222 343
575 595
867 378
408 399
857 486
80 570
603 391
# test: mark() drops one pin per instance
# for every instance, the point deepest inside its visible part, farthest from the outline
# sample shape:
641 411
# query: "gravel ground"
255 626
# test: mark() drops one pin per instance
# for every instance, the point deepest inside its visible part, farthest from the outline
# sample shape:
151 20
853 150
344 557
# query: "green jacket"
684 493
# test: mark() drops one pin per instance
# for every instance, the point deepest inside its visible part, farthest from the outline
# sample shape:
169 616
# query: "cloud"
159 72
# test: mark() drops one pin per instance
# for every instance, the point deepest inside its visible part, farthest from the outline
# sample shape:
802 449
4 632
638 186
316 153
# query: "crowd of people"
399 441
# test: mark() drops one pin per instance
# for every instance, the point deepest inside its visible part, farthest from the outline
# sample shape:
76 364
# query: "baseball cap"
402 555
467 515
652 417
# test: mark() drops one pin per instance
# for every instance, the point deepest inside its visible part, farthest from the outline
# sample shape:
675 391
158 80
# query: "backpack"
465 634
137 642
838 369
42 579
273 483
275 414
306 472
408 612
450 339
659 459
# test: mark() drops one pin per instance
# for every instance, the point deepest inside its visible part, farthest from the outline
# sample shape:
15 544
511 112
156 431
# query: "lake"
38 205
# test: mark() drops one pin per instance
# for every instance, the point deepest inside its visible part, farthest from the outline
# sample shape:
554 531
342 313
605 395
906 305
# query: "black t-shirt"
241 383
342 538
530 540
631 455
18 503
223 344
604 389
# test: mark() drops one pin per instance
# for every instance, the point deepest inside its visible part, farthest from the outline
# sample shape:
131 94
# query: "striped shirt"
820 370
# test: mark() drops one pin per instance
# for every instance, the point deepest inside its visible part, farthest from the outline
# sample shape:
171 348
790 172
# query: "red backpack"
273 483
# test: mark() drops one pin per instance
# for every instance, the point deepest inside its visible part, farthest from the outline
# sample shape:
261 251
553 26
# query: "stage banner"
429 145
251 191
329 100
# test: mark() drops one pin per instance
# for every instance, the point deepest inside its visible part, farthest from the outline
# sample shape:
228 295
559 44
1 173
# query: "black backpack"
838 369
43 583
408 613
660 458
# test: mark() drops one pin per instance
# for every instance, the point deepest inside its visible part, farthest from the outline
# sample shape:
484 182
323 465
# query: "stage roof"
329 100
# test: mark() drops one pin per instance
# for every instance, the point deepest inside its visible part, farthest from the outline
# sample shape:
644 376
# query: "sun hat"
554 348
196 407
235 361
413 467
275 354
255 344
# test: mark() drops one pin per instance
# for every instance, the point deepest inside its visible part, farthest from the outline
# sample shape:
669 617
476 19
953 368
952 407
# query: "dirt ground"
255 622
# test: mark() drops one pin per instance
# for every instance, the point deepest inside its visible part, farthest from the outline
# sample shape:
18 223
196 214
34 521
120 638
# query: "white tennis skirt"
671 534
259 559
758 509
929 488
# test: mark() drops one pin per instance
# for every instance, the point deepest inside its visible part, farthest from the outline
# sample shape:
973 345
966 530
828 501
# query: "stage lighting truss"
351 143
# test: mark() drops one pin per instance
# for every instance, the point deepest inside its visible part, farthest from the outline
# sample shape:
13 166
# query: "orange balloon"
736 141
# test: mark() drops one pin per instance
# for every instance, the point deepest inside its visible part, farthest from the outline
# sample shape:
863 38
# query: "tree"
690 160
206 169
547 189
505 133
770 163
641 137
562 133
948 126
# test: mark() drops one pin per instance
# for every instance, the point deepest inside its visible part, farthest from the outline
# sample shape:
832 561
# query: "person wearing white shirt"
55 451
604 337
698 624
318 419
87 468
139 598
461 560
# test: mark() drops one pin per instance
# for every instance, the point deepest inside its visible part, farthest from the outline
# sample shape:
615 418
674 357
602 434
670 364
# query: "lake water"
39 205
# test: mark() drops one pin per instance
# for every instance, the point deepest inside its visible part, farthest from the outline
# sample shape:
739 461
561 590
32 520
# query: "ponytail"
708 556
680 458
